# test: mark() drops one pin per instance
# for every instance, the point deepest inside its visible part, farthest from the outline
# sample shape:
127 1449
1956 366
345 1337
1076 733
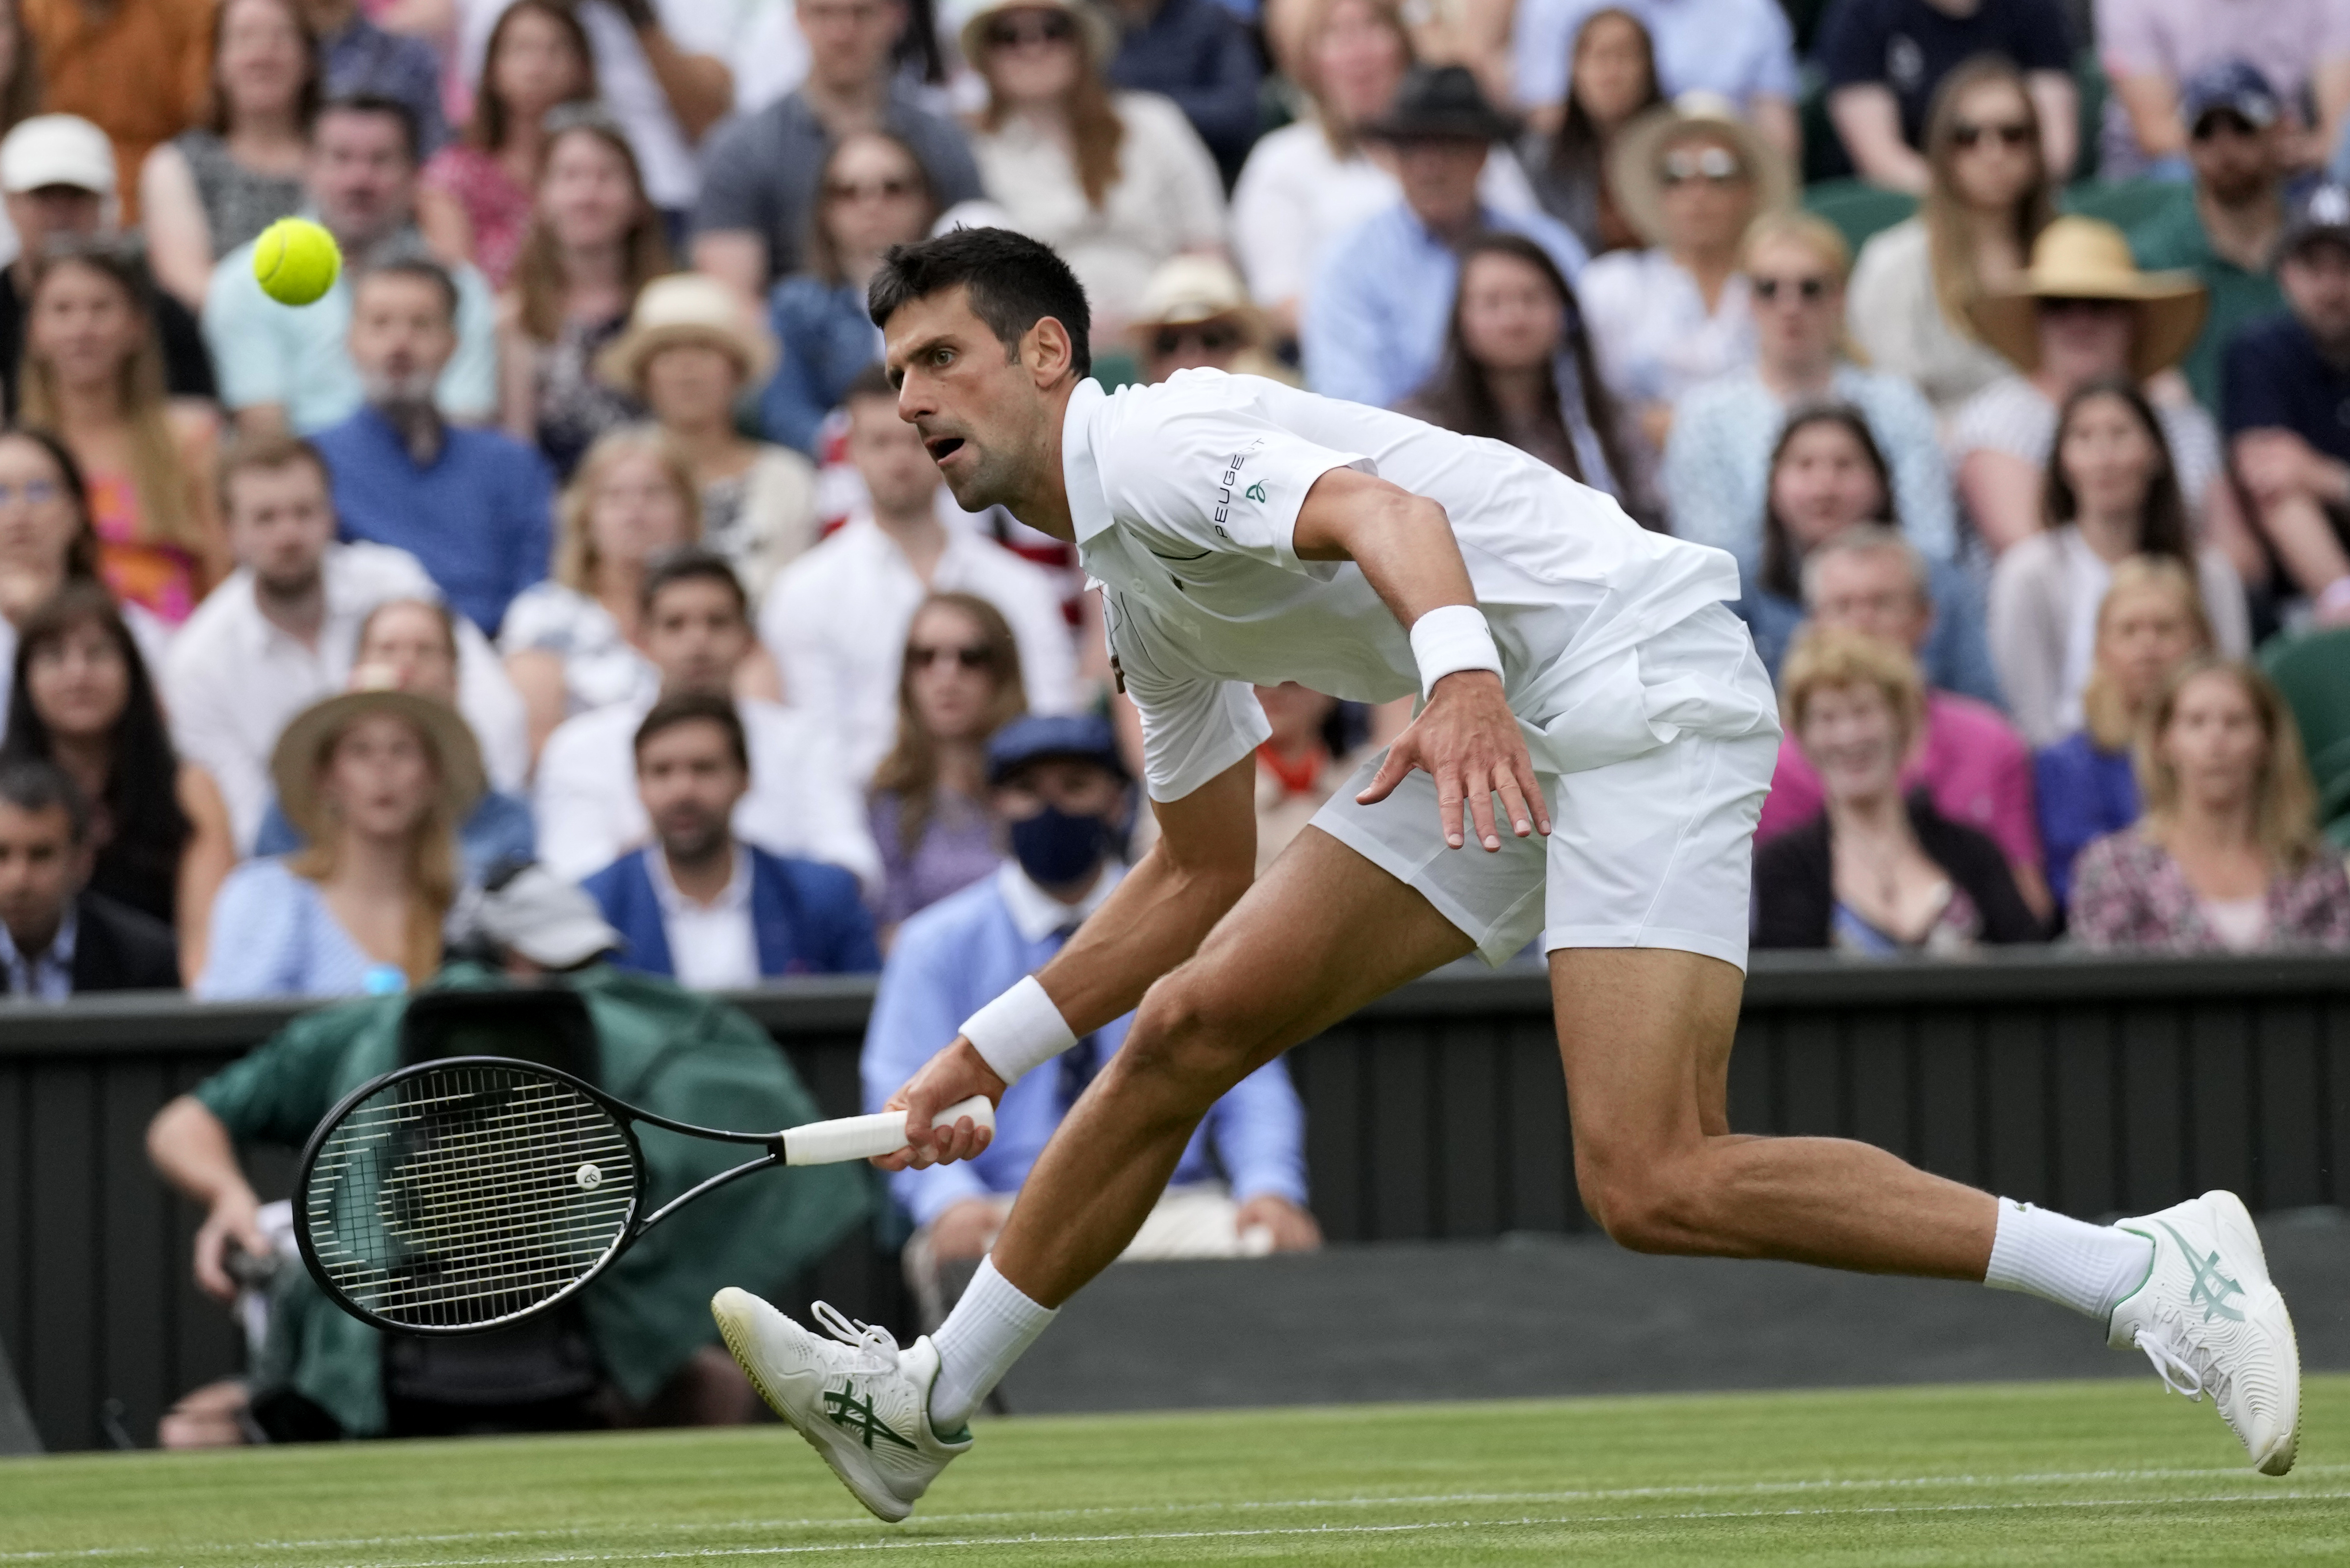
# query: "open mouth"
943 448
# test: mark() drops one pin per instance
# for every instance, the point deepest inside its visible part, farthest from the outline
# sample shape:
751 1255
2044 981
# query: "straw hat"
968 19
1194 288
302 749
2085 258
1639 187
688 307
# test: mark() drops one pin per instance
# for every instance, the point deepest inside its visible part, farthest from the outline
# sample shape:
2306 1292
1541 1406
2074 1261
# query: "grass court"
2051 1473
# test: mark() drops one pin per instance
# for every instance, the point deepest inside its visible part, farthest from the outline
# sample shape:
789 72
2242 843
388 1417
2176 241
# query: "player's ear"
1048 352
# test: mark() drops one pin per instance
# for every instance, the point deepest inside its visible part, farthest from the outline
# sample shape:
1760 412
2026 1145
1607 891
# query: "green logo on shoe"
846 1410
2211 1288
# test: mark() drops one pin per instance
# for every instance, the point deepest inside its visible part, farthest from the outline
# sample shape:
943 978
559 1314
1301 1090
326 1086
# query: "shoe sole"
2236 1221
823 1448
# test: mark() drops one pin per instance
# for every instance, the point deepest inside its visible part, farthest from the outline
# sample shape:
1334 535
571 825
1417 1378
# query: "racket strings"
462 1196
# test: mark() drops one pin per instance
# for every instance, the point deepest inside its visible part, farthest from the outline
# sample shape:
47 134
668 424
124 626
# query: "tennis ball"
295 261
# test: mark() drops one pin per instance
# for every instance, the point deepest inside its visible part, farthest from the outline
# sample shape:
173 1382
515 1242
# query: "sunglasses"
2009 133
1052 27
894 190
1715 165
1810 290
1212 336
921 658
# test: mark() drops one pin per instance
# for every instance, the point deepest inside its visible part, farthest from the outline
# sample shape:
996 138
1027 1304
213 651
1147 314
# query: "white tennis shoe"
2211 1322
859 1401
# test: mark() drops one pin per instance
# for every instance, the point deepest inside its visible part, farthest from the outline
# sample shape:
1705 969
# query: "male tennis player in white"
1581 670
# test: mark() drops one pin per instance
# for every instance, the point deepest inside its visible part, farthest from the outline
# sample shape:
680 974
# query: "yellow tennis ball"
295 261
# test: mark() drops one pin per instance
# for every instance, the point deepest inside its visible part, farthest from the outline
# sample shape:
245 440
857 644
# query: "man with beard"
473 505
697 905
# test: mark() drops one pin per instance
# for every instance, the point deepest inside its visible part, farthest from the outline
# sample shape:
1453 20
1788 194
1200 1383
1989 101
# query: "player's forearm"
1155 921
1403 541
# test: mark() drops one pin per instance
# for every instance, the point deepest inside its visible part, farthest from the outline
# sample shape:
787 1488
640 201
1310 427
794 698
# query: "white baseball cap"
57 150
547 920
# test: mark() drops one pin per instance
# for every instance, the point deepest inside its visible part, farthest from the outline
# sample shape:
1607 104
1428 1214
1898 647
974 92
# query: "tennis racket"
471 1192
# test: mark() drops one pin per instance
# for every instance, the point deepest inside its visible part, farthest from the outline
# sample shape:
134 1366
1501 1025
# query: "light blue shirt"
273 935
960 953
1739 48
265 352
48 975
1716 475
1375 318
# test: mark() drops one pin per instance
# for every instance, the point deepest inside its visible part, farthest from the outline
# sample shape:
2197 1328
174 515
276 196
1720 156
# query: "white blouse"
600 667
1651 330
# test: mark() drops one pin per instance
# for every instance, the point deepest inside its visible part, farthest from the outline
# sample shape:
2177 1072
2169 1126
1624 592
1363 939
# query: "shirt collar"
58 958
1036 914
734 897
1080 473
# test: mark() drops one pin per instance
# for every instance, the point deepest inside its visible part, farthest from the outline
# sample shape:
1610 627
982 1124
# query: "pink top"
1974 765
497 208
2175 38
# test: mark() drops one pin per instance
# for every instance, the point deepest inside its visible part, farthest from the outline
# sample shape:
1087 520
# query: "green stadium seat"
1858 208
2312 670
2124 204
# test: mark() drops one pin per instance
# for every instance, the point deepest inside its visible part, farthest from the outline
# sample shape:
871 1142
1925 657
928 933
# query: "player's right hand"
235 1218
955 1073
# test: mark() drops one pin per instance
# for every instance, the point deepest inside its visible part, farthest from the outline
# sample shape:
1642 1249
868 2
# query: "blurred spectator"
594 242
1196 314
363 59
2111 493
2225 228
2150 47
58 939
473 505
287 368
1691 178
1717 460
1742 51
93 375
1611 82
838 618
410 645
571 641
2151 622
1878 872
2285 383
2080 312
694 625
2227 858
1063 794
80 697
1375 321
669 71
1306 184
1988 195
1198 54
696 905
1884 58
873 194
762 174
46 542
1518 367
958 684
136 69
476 195
1300 765
57 174
20 98
1116 182
692 348
216 185
373 781
283 631
1975 767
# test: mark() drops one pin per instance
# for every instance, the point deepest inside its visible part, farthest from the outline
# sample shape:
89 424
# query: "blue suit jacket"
805 918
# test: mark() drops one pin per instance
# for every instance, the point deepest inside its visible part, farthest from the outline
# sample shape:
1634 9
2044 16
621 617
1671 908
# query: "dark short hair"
692 708
423 269
268 451
688 566
1014 281
873 381
411 135
34 784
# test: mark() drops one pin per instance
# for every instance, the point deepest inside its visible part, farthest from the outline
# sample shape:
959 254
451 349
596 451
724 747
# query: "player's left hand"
1468 741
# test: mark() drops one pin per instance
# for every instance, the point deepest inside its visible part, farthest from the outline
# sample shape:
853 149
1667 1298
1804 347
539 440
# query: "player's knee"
1644 1206
1189 1030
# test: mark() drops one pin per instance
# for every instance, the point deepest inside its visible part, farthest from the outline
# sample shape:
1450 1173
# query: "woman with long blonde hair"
93 375
2227 858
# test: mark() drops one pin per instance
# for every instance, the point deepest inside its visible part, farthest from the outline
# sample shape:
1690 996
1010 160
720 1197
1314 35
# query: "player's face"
981 413
689 780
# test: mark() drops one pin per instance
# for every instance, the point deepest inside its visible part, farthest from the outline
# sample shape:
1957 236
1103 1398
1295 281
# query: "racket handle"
865 1137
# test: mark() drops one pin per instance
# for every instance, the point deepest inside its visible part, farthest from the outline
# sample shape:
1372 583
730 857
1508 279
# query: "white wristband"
1452 637
1019 1030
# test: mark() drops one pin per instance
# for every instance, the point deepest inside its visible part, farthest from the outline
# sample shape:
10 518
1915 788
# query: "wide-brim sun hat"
301 751
968 20
1638 184
2087 258
688 307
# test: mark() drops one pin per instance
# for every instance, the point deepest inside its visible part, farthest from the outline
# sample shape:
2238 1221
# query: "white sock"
2089 1268
991 1327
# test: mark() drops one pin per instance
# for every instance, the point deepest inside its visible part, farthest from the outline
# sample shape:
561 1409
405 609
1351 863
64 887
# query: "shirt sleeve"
248 356
1772 70
278 1092
1851 45
2130 39
2253 394
1539 45
1345 336
581 824
1193 727
468 392
2043 43
732 195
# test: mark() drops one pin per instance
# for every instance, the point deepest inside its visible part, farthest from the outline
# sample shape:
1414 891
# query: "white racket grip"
846 1139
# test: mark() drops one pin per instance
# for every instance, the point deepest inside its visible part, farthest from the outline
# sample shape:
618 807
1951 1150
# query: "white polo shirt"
1185 495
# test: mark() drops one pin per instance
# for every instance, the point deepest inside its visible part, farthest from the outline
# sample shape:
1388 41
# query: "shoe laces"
2185 1366
877 1347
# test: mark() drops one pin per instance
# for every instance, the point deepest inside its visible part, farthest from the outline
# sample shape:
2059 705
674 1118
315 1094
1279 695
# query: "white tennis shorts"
1653 852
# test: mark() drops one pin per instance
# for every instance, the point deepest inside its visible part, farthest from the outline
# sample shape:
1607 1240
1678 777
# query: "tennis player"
1583 673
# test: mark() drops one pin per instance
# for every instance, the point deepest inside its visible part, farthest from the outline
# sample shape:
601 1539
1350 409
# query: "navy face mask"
1055 848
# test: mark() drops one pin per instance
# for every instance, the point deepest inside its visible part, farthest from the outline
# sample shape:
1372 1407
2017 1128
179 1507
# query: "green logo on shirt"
1256 491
